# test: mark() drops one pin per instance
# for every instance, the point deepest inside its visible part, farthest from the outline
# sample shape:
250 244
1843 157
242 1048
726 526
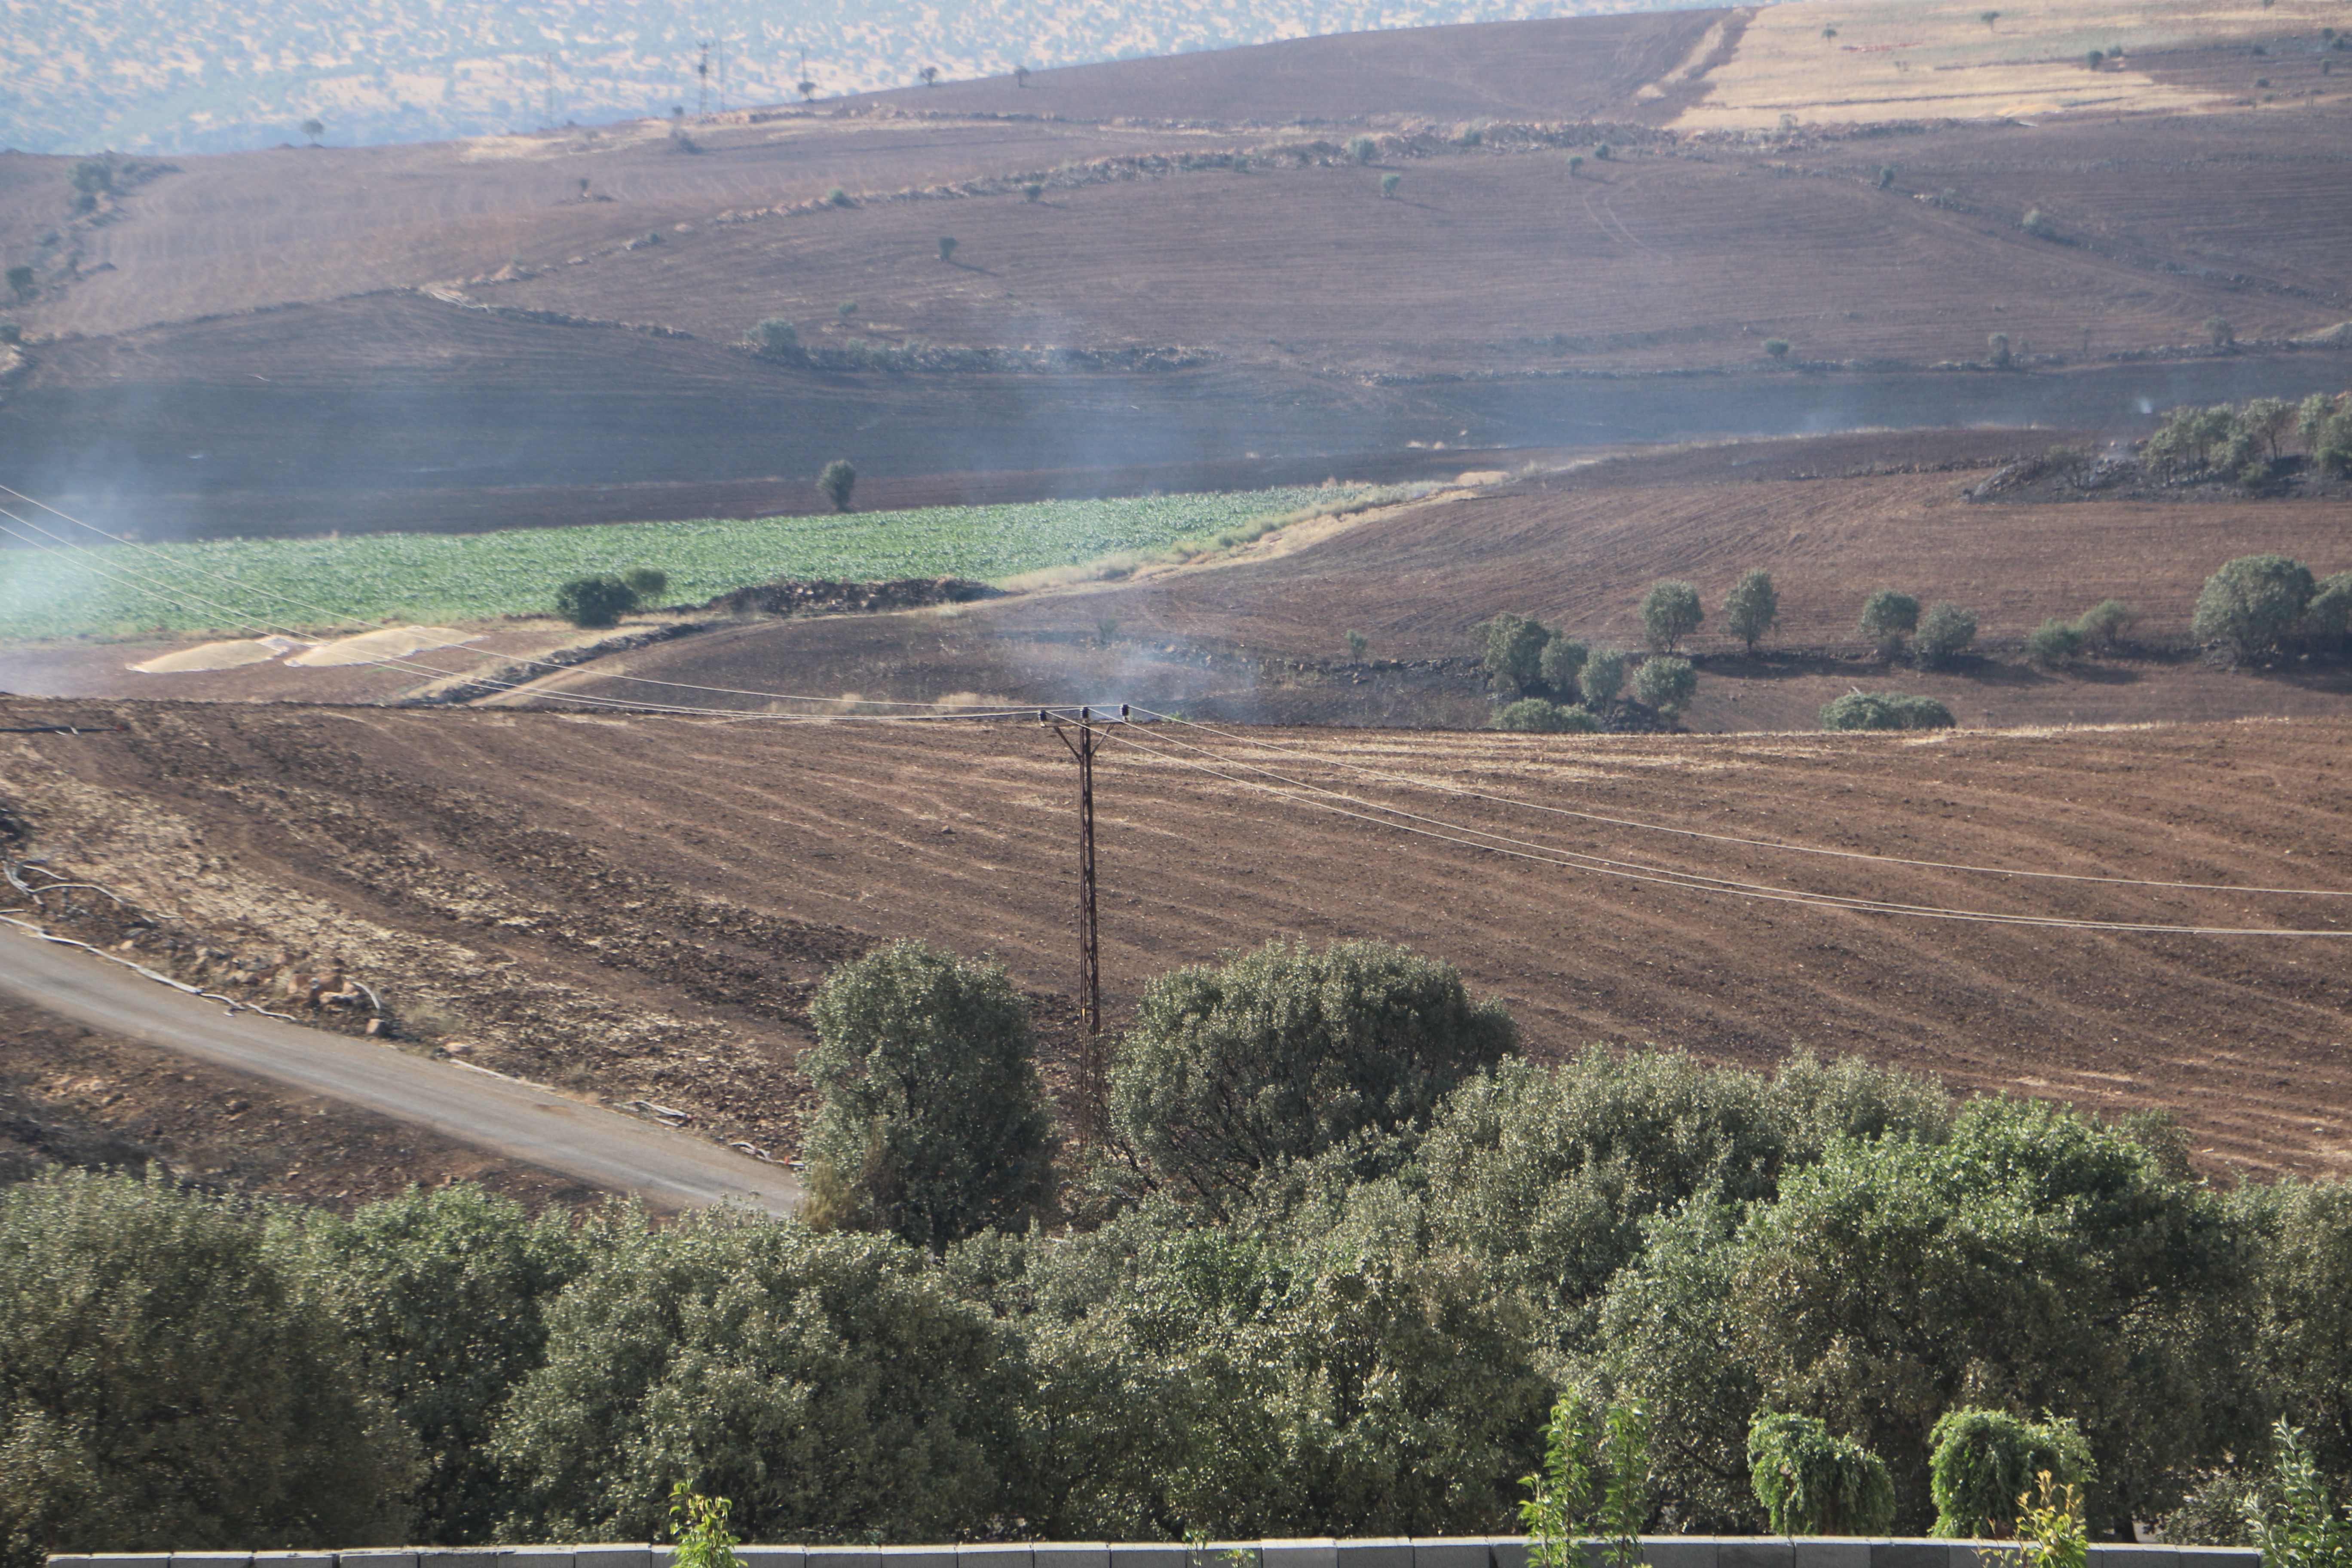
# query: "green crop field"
234 585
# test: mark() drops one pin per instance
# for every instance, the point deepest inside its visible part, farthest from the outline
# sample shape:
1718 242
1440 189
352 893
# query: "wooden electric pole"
1093 1086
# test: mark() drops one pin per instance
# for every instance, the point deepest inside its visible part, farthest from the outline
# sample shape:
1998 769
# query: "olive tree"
1561 663
1945 631
167 1383
1666 684
1670 611
592 601
1536 714
836 481
1887 617
1514 649
1284 1052
1604 677
2253 604
778 339
933 1122
1752 608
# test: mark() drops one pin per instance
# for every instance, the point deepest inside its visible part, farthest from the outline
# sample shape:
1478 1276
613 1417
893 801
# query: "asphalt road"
521 1122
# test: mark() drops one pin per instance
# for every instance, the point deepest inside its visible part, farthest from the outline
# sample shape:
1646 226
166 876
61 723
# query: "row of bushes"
1342 1251
2247 441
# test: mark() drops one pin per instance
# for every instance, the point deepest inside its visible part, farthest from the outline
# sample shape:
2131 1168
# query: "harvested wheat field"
637 908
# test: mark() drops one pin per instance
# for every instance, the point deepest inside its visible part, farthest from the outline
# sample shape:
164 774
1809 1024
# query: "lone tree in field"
2218 328
933 1125
1988 18
312 130
599 601
1670 611
2253 606
930 75
947 248
1997 350
1944 631
1752 607
1777 347
835 483
1887 617
1389 183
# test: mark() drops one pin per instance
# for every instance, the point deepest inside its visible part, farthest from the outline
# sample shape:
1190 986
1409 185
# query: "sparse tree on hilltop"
312 130
1670 611
930 75
1752 608
835 483
1021 75
1988 18
1887 617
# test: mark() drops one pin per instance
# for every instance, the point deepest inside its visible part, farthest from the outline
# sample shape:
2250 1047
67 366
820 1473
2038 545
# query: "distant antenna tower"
702 102
551 92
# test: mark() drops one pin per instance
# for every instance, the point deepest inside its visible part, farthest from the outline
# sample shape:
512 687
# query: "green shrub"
1884 710
1985 1461
837 197
947 248
1666 684
1778 348
2219 331
1389 183
698 1525
1535 714
1357 644
1561 663
828 1385
1362 149
1887 617
933 1123
1752 608
2054 641
1595 1483
1285 1052
2253 604
444 1297
2327 618
598 601
1514 649
1811 1482
2105 622
2306 1527
1945 631
777 338
2035 224
648 583
1670 611
1997 350
1602 678
167 1383
835 483
1034 190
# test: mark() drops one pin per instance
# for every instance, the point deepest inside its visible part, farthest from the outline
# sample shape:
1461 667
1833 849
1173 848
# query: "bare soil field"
290 340
1261 636
638 908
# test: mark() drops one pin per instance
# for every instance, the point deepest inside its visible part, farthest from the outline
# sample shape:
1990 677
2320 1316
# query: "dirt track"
646 903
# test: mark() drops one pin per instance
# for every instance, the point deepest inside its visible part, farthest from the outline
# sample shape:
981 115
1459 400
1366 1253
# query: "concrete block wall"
1466 1552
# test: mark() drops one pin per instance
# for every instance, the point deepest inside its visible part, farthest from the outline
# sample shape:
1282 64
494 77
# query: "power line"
1522 849
1413 783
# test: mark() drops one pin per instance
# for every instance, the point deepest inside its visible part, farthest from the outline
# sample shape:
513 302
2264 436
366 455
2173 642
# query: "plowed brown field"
543 876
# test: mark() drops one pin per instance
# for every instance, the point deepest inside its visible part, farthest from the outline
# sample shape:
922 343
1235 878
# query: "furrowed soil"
638 908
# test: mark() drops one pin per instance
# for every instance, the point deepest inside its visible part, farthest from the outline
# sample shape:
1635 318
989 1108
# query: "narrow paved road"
518 1121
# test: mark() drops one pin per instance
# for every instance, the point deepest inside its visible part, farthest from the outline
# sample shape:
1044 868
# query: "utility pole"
1093 1089
702 72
